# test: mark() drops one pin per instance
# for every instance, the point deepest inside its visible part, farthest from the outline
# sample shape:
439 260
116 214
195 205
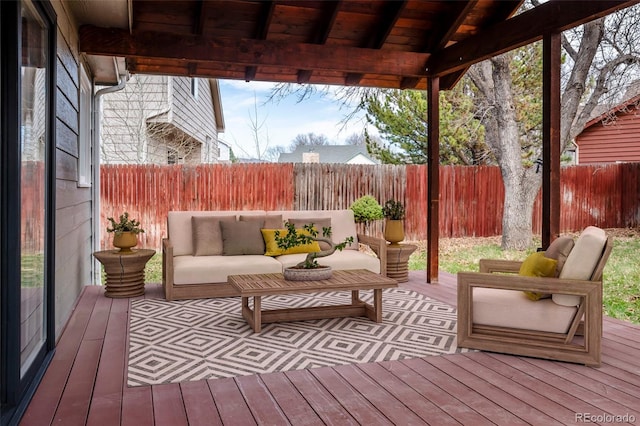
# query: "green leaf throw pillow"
269 236
537 265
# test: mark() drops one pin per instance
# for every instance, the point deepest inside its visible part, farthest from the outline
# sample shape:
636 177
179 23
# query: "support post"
550 138
433 177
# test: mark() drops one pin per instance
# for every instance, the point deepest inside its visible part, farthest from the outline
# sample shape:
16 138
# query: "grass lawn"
621 275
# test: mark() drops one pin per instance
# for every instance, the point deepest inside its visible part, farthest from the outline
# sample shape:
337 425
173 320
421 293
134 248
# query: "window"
84 149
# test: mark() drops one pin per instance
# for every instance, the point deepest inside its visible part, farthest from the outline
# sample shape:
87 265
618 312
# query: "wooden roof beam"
379 34
262 30
446 31
245 52
200 17
526 28
321 33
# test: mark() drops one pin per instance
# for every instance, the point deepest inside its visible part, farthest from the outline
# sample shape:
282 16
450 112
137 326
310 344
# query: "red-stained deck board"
294 406
496 392
473 398
45 402
416 402
435 394
261 403
199 405
137 406
392 408
106 403
74 404
324 404
231 405
356 404
168 409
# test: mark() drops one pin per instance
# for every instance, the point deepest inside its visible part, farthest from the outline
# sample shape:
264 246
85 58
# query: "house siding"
617 141
195 116
124 135
73 243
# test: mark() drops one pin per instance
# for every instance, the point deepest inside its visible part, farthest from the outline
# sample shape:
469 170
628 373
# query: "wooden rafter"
244 52
378 35
321 33
261 32
446 30
528 27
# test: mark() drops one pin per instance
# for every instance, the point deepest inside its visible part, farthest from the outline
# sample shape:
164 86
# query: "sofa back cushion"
207 236
180 232
582 261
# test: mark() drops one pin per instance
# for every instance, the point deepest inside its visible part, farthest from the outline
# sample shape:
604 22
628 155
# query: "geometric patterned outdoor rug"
208 338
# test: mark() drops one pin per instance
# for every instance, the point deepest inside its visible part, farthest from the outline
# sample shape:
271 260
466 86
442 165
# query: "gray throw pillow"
559 250
318 223
207 237
266 221
242 238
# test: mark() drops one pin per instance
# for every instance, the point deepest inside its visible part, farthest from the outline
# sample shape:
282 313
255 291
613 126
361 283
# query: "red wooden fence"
471 199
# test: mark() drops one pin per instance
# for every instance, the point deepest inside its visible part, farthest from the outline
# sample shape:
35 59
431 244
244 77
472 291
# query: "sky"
283 120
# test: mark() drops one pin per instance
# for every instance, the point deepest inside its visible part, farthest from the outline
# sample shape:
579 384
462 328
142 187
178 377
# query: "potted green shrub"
366 209
394 214
308 269
125 232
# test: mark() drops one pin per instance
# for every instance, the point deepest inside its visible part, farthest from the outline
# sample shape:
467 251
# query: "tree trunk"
521 184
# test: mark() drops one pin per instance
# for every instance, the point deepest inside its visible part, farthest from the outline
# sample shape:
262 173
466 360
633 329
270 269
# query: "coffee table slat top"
269 284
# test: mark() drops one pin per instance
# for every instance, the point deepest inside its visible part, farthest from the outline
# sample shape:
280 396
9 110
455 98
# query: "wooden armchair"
495 315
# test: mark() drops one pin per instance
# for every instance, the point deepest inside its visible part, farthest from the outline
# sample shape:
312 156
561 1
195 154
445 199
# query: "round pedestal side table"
398 261
125 272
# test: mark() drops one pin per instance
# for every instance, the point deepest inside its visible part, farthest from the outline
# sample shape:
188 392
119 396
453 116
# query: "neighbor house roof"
344 154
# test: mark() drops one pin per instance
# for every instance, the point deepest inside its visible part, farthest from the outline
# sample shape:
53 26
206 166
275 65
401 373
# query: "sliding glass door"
27 161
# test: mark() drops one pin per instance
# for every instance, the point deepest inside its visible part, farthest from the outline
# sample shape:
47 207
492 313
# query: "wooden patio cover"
410 44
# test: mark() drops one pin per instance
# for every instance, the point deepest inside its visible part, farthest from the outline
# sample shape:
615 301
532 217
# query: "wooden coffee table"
258 285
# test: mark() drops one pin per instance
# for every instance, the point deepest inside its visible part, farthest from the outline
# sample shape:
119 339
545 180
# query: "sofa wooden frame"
499 274
207 290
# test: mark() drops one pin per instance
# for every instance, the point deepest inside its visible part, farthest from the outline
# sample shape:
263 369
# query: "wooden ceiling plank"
118 42
528 27
448 31
200 17
321 34
379 34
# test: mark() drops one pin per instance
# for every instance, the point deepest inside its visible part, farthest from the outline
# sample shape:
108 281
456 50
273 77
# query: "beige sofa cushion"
511 308
179 227
582 261
268 222
216 269
340 260
207 237
343 224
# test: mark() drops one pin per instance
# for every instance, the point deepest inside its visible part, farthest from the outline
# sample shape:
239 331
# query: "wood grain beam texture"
378 35
245 52
551 17
321 34
262 29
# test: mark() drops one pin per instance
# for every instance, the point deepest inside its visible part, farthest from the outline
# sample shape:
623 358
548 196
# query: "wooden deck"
86 383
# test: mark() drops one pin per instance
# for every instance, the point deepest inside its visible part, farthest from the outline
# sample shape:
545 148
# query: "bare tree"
602 60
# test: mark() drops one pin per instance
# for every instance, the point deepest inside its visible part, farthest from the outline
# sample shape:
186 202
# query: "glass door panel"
33 137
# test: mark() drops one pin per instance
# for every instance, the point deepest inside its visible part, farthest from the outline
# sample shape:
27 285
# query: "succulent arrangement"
393 209
124 224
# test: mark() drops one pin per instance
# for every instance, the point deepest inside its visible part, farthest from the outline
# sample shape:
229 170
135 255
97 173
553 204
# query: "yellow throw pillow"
537 265
269 236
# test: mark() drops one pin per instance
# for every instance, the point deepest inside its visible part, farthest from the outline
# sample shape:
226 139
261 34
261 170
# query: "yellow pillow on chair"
537 265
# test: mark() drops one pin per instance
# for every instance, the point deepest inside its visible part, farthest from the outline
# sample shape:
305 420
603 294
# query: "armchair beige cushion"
582 261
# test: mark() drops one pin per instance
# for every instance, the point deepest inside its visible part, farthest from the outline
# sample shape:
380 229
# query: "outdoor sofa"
204 247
